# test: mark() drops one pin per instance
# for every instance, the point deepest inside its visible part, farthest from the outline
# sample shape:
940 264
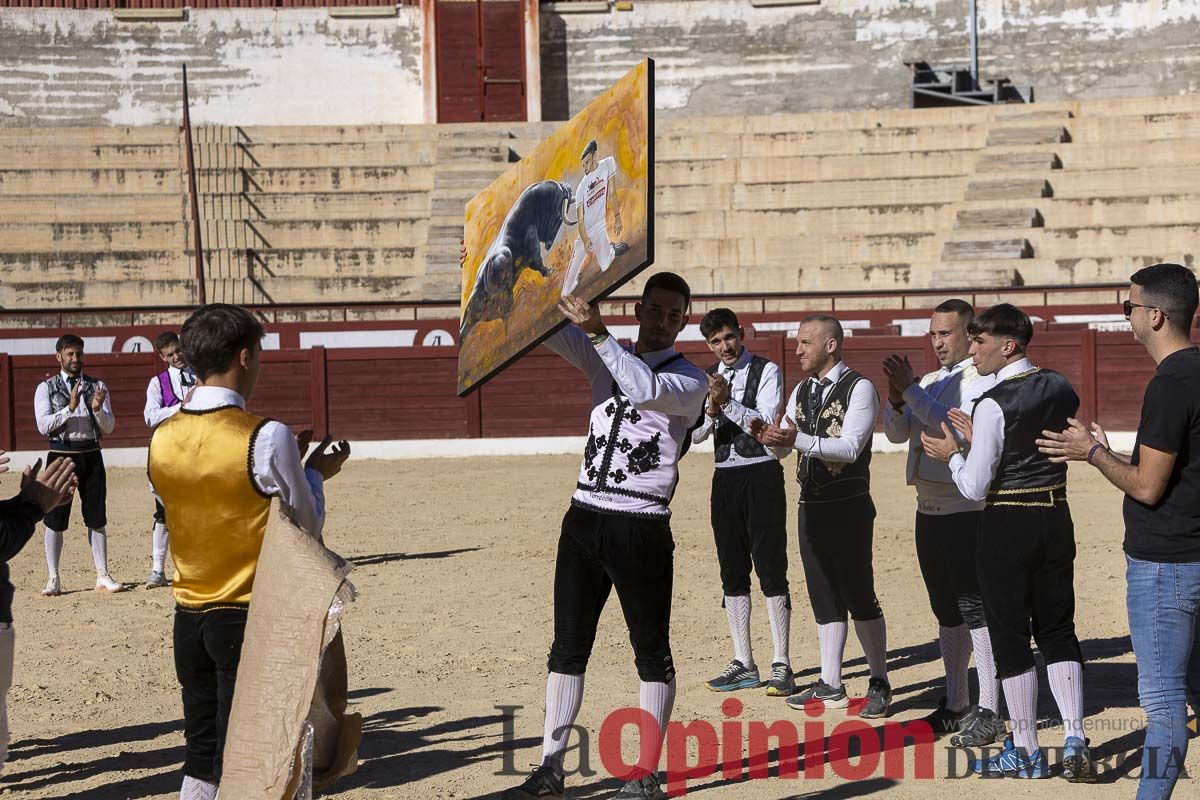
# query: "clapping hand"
1073 444
328 461
718 390
962 424
940 447
774 435
98 398
49 488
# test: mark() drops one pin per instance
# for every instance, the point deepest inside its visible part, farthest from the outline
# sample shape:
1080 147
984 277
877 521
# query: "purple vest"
168 393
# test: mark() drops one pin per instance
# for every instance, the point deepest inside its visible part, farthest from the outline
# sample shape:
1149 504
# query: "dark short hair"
669 281
587 151
956 306
1004 319
67 340
1171 288
717 319
213 336
832 323
165 338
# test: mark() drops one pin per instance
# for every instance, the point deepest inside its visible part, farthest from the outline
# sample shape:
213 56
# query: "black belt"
1036 496
74 445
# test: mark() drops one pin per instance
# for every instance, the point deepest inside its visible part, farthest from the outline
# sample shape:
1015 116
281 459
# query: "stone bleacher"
1046 194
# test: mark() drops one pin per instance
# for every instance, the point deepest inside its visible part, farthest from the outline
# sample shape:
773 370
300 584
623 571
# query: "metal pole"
197 244
973 39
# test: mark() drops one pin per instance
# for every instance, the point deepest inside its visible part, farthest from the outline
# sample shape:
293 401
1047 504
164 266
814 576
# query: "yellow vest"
201 467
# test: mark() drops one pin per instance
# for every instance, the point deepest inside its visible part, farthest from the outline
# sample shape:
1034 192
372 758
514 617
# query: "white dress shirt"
929 403
973 473
766 406
676 392
73 425
856 428
277 467
155 412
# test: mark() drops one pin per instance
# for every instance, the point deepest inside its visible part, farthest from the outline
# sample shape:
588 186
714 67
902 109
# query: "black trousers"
597 552
749 522
946 545
208 647
1026 561
835 548
93 491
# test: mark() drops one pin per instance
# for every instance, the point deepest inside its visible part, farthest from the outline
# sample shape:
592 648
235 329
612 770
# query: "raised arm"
668 392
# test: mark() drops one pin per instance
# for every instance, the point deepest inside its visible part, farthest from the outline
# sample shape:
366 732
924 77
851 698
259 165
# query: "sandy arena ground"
455 563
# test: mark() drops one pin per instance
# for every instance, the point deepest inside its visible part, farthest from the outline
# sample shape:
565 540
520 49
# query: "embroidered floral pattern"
646 456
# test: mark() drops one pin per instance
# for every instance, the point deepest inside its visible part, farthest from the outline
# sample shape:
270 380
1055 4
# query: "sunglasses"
1128 308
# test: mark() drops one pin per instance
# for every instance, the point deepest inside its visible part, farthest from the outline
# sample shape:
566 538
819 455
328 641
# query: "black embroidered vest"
821 481
1032 401
60 397
729 435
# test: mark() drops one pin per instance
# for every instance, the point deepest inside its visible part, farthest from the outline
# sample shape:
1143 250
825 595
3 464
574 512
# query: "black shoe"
981 728
820 691
946 721
879 700
735 676
543 784
619 248
645 788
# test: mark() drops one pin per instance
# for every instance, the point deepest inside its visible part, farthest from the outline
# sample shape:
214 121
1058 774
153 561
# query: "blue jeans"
1164 606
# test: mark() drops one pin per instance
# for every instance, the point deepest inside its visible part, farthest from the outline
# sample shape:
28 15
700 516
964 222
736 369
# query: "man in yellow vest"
215 467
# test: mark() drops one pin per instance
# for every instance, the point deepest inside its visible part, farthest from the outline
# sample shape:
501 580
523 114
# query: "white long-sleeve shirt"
766 406
277 467
926 406
155 412
73 425
973 474
857 428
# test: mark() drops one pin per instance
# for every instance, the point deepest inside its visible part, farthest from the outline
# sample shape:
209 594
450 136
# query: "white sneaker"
52 588
106 584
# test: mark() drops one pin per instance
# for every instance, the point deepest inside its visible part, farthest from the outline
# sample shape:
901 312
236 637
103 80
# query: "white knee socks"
564 696
955 644
158 547
832 638
657 699
1020 692
99 542
1066 682
781 624
194 789
985 670
54 546
737 610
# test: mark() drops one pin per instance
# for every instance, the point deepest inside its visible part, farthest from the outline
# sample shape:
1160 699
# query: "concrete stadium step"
54 267
92 181
83 237
97 293
317 262
474 151
1152 181
827 195
268 234
1023 135
1142 155
101 156
315 179
870 141
1137 129
987 249
773 253
316 205
1094 212
1009 188
93 208
471 180
302 289
78 136
775 223
314 134
351 154
805 169
1115 241
1019 162
998 218
1131 106
967 276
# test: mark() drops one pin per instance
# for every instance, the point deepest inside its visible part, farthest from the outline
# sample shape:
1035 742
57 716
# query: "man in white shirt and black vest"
165 395
946 521
616 533
1026 552
829 421
73 412
749 502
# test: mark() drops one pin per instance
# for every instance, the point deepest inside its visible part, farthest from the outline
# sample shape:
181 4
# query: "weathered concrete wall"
727 57
245 67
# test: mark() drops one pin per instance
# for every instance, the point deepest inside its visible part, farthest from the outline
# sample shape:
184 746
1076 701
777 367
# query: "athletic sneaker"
946 721
646 788
1012 763
156 580
1077 764
782 682
542 784
980 728
822 691
106 584
52 588
879 700
735 676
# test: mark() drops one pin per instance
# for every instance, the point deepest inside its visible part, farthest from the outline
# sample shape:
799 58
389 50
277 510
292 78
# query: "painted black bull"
533 223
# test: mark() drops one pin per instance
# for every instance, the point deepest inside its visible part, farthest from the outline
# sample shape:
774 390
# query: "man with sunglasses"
1161 481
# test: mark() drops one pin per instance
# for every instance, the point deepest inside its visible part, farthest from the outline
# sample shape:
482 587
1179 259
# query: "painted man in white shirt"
1026 553
829 421
946 522
592 196
74 412
616 533
749 501
165 395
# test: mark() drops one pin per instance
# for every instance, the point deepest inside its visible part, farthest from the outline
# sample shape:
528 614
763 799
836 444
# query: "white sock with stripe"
985 670
781 626
1066 682
832 638
737 611
872 635
564 696
1020 692
955 644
